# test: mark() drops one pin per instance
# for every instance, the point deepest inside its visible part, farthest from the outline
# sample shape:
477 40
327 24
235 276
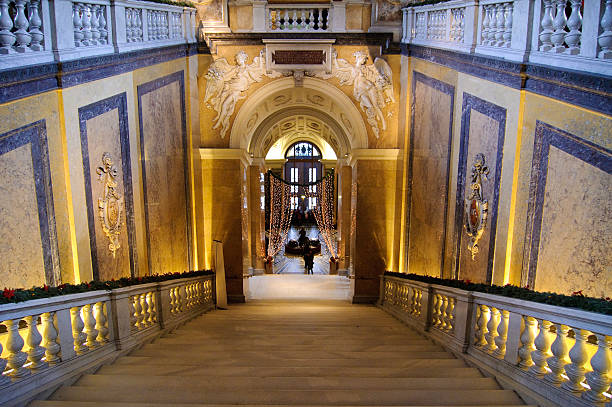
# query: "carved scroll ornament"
110 204
476 207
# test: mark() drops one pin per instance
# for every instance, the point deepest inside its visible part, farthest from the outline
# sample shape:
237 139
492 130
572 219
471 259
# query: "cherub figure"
372 85
225 85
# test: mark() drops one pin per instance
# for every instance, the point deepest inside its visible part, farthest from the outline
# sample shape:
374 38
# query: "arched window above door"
303 150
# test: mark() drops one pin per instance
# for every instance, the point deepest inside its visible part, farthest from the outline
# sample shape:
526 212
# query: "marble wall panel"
28 244
104 130
161 107
569 230
431 137
483 127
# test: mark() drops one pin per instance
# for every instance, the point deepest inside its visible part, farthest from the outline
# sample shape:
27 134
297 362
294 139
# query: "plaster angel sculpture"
226 83
372 85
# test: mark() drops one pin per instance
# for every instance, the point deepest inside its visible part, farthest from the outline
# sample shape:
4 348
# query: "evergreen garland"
576 300
21 294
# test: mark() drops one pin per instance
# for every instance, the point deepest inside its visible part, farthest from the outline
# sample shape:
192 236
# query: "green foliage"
21 294
577 300
424 3
173 3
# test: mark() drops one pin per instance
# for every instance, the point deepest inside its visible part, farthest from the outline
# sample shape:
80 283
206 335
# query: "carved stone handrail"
563 355
47 341
537 31
39 31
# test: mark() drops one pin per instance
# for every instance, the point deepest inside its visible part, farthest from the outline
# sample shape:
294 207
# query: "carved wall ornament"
226 84
372 85
111 203
476 207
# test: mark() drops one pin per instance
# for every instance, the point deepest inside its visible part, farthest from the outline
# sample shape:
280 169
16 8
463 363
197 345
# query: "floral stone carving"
372 85
476 207
111 203
225 85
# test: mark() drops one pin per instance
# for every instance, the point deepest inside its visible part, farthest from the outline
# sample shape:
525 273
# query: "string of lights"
324 213
280 215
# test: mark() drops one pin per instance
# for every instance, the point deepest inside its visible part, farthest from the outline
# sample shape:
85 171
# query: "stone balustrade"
565 357
44 340
564 33
28 33
289 18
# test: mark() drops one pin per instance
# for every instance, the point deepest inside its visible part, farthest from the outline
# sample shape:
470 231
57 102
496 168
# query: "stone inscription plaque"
295 57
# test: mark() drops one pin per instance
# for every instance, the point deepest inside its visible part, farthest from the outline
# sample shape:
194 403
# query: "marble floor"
294 264
298 287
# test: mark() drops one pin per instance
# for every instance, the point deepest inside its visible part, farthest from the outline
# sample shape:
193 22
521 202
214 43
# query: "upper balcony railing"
38 31
299 18
563 33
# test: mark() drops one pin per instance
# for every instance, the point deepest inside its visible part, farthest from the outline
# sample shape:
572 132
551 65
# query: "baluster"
419 302
14 343
277 20
164 18
50 338
95 23
486 21
574 23
311 22
294 23
137 312
502 335
491 41
179 300
149 26
90 326
462 26
547 25
133 319
302 19
77 331
3 362
86 24
501 28
599 379
320 19
450 315
101 321
21 24
128 25
443 313
492 325
542 352
605 39
35 24
33 340
145 310
527 337
102 29
558 37
153 27
575 371
509 9
481 329
560 350
151 307
7 38
434 310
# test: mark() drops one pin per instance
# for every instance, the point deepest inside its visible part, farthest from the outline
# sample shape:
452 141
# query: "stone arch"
281 99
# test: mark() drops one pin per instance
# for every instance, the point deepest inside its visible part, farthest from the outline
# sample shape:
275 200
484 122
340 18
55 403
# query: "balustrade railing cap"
133 289
179 281
574 317
149 5
410 282
454 290
443 5
41 305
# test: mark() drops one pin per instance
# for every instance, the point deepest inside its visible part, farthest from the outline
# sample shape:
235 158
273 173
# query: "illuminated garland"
280 215
324 213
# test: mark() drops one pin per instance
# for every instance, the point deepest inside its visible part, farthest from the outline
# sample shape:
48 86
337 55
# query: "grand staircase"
287 354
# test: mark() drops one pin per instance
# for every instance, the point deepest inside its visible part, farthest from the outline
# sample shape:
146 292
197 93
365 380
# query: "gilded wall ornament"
110 204
372 85
476 207
226 84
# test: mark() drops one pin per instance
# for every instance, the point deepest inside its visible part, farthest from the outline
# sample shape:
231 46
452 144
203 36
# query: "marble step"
53 403
195 359
325 347
202 353
437 397
228 384
452 368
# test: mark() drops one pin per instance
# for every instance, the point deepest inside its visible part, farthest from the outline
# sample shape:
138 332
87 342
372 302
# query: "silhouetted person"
308 259
303 239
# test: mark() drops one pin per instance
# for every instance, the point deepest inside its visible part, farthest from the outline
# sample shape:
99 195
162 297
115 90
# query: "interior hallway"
276 353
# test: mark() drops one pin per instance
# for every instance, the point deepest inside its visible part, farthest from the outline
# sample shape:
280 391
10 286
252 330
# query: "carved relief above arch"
320 108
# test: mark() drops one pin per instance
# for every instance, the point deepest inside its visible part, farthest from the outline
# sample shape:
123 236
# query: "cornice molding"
375 154
226 154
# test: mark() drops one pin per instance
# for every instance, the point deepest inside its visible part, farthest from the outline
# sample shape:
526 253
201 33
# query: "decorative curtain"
280 214
324 213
